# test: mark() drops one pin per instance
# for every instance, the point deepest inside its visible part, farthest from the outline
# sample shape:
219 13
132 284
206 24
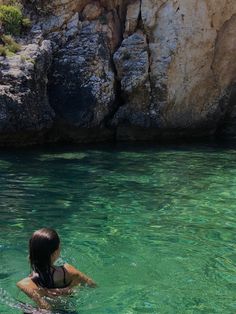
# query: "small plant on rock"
10 46
10 43
26 22
12 23
11 18
3 51
25 58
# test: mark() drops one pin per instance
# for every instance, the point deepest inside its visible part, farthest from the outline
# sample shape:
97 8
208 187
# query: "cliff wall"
121 70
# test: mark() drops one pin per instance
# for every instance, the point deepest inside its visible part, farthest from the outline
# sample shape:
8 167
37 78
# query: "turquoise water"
155 227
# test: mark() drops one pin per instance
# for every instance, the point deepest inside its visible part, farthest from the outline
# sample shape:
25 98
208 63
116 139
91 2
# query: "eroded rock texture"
82 82
132 64
25 113
129 69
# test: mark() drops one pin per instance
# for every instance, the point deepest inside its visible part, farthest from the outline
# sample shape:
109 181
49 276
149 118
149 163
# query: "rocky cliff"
121 70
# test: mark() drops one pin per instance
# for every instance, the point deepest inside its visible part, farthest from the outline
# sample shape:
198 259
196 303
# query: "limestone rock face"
190 45
128 69
183 47
25 113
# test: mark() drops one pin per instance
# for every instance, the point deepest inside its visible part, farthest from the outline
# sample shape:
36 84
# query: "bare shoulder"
32 290
26 283
70 269
29 287
77 277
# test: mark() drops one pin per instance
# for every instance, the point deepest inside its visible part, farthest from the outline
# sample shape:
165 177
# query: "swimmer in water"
46 279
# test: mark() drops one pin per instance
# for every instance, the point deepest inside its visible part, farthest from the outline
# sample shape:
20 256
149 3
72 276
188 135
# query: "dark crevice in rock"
121 22
141 26
227 125
157 95
118 102
140 21
119 95
122 11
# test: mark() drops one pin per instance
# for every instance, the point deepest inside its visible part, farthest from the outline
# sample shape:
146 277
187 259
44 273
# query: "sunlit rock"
131 69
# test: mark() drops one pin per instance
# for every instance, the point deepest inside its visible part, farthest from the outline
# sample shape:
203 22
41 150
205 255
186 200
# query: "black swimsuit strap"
51 277
64 272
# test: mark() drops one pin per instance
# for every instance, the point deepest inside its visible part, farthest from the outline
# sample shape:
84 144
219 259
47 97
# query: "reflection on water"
155 227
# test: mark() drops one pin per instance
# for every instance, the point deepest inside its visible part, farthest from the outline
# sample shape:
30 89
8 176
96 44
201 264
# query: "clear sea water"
154 226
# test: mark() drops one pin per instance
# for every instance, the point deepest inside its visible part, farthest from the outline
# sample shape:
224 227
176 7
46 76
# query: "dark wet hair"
42 244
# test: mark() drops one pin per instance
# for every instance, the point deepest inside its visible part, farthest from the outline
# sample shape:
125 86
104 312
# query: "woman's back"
55 277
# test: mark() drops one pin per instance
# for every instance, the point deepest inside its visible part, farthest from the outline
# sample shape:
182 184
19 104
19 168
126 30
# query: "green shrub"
26 22
11 17
7 39
12 22
3 51
10 47
10 43
26 59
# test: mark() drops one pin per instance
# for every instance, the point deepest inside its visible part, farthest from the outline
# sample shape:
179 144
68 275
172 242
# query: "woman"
47 279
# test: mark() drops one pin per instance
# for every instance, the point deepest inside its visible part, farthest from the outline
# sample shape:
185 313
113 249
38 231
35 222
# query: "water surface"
154 226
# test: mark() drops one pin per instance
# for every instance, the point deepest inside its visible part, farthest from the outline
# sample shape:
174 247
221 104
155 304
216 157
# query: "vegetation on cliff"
12 23
9 47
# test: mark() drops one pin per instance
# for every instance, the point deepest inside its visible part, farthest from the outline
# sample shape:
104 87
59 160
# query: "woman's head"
44 249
